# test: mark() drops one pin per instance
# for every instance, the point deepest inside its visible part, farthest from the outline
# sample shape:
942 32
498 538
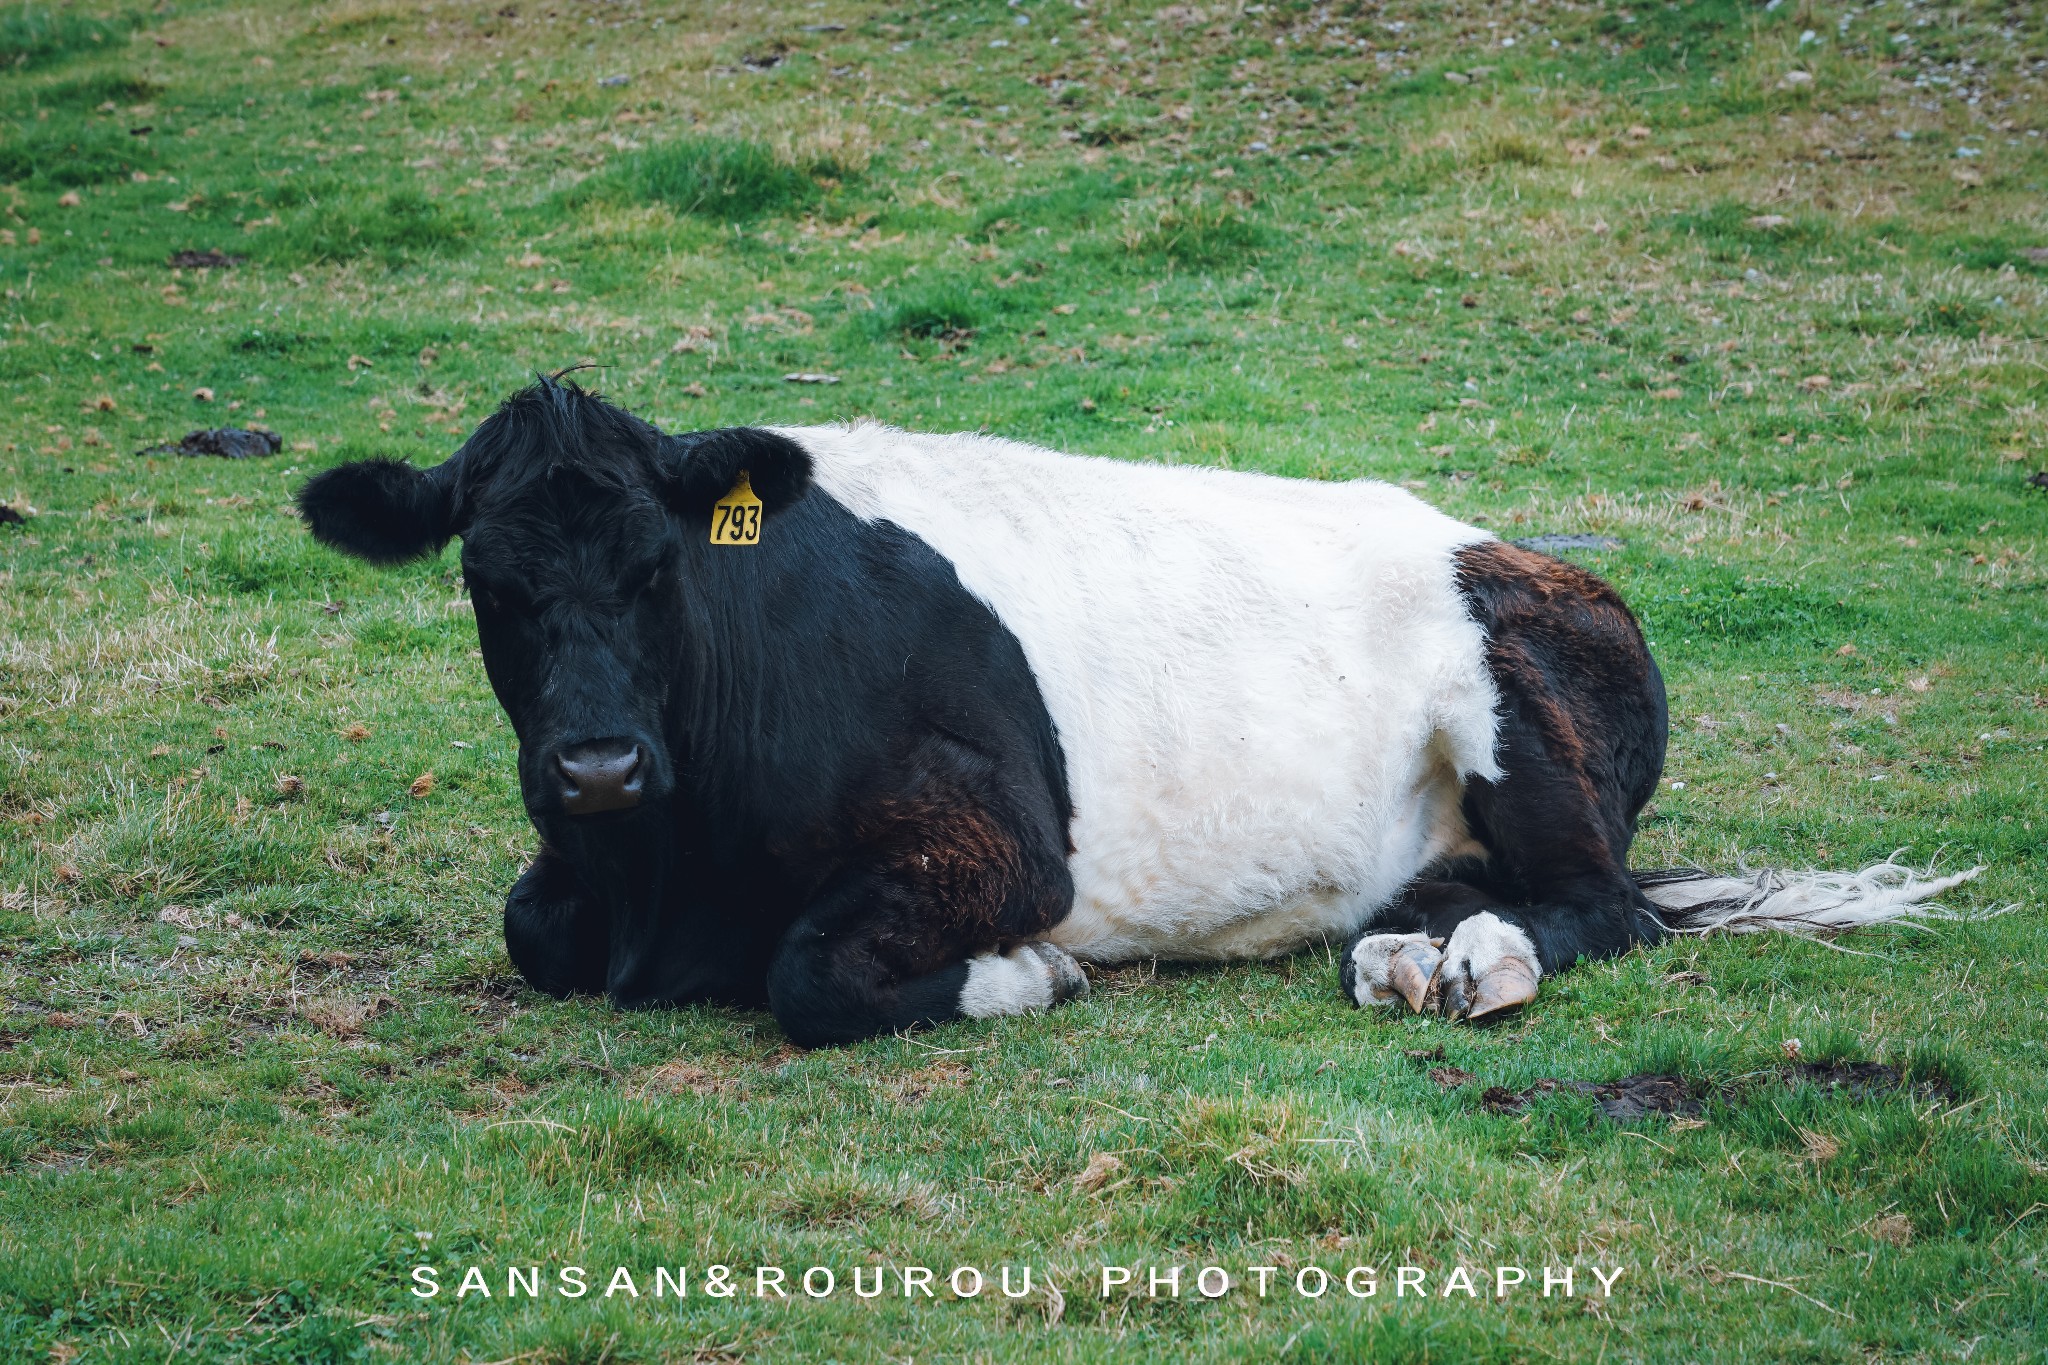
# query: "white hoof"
1384 968
1488 966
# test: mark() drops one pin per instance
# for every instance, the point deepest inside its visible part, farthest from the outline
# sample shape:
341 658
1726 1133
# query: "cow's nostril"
601 776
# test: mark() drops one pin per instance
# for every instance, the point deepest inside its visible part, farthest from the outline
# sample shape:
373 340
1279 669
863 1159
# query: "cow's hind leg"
1445 945
1580 746
1488 946
556 929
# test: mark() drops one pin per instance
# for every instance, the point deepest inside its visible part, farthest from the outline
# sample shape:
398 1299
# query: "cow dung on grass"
879 728
229 443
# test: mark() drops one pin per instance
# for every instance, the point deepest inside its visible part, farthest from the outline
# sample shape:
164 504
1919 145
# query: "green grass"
723 178
32 35
261 1051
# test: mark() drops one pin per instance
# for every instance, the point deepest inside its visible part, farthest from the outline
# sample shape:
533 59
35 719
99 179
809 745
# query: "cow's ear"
381 510
703 466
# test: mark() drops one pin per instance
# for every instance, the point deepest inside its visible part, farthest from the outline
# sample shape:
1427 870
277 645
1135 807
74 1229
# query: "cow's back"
1268 691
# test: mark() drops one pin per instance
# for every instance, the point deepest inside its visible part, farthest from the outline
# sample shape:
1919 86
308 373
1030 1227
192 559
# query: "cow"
882 729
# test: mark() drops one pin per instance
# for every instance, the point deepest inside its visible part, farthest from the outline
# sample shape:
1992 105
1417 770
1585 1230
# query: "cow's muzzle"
599 775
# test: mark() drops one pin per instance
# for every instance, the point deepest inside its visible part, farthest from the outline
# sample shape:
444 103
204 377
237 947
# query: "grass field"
1756 290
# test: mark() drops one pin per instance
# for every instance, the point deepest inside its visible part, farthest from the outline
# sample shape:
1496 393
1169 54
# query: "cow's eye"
656 579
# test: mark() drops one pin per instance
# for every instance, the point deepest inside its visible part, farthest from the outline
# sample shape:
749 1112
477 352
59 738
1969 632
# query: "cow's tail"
1811 904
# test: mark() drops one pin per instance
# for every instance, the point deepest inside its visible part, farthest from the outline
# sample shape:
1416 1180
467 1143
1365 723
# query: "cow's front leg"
557 930
867 958
1032 976
937 913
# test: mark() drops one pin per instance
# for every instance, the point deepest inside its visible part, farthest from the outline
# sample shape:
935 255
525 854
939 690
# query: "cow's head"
577 524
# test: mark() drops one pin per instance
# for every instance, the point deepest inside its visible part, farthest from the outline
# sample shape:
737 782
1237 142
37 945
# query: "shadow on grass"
1079 200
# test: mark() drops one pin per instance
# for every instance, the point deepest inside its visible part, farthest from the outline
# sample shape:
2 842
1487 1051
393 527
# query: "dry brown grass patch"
344 1016
914 1087
687 1078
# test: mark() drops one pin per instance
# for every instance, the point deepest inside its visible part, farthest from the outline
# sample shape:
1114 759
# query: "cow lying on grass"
885 729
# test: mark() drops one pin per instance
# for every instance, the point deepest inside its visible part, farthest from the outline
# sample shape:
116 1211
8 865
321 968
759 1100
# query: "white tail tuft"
1811 904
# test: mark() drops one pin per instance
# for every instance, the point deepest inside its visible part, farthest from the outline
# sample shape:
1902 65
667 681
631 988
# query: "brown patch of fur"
959 879
961 861
1540 606
1535 591
1561 643
1518 675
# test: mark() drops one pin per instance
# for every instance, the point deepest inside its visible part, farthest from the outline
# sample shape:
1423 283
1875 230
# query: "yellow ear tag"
736 517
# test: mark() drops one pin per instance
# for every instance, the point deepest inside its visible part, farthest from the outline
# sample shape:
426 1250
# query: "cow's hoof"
1069 982
1032 976
1488 966
1383 968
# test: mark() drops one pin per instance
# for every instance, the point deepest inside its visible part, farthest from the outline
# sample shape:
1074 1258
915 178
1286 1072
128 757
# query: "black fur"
556 931
1581 742
381 510
852 782
704 465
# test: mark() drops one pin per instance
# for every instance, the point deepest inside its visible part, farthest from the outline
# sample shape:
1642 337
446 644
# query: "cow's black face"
572 515
575 585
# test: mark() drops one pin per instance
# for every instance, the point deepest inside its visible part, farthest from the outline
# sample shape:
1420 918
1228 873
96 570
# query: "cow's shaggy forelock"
553 427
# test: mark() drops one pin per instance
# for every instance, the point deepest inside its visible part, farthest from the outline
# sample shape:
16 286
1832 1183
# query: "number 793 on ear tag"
736 517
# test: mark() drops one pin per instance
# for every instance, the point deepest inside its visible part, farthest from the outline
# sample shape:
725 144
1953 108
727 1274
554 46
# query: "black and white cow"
937 716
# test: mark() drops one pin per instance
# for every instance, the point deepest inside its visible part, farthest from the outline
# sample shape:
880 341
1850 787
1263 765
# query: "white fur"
1035 976
1268 691
1812 904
